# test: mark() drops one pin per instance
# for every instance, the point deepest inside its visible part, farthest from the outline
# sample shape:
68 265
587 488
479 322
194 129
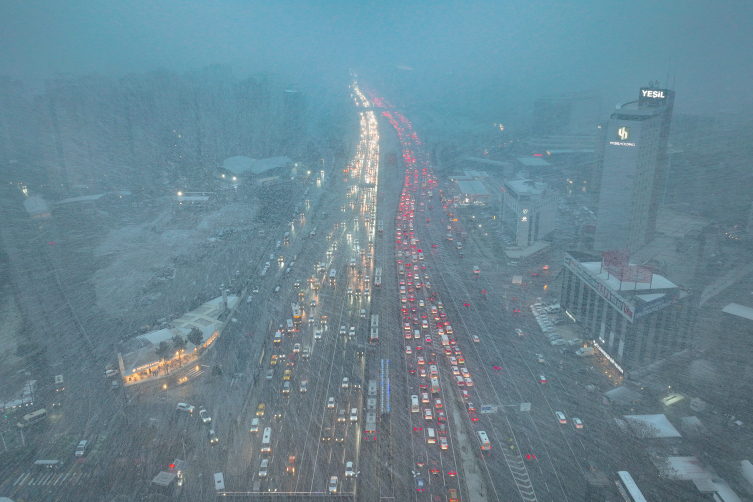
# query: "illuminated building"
633 169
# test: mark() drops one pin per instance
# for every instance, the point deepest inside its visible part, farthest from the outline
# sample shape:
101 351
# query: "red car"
474 417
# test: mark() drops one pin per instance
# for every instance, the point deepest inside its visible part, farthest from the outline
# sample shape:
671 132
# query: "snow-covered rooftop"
657 281
241 164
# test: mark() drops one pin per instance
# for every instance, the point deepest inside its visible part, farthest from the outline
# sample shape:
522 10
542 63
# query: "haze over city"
430 251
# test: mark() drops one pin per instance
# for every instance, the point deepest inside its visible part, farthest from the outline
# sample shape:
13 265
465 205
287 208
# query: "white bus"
374 336
332 277
266 440
628 488
435 385
484 440
296 312
372 387
375 321
414 404
32 418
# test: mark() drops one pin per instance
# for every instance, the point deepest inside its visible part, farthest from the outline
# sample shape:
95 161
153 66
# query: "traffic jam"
434 358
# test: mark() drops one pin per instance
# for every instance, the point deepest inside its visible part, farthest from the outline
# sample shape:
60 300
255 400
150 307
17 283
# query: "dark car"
420 484
420 461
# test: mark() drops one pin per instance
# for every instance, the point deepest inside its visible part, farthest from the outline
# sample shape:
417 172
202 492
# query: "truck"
584 351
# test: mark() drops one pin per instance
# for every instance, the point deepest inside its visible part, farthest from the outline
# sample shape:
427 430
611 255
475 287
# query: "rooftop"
657 281
533 161
242 165
472 187
527 187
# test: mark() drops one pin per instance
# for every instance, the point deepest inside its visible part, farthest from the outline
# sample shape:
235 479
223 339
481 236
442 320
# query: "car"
419 348
470 407
260 410
273 360
542 379
296 348
184 407
270 374
286 388
468 382
453 495
345 383
434 468
408 349
287 375
519 332
455 370
465 372
421 303
424 397
473 416
332 486
540 358
428 414
465 395
303 387
204 415
213 440
560 417
254 426
440 417
577 422
443 443
331 403
420 484
349 472
476 339
457 352
350 291
313 303
341 416
411 368
81 448
422 372
438 403
343 330
354 414
453 361
422 385
263 468
290 468
420 359
461 360
352 332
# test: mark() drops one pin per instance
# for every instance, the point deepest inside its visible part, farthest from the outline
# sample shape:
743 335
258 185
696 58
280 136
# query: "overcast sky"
524 46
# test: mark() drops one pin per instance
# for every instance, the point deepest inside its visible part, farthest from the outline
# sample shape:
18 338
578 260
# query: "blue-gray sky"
529 46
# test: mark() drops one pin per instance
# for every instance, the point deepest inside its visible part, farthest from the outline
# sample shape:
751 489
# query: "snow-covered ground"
140 254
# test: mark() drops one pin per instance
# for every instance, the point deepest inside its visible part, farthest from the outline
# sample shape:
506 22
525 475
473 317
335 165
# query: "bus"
32 418
378 279
372 387
296 312
627 487
435 385
414 408
266 440
484 440
374 337
332 277
370 428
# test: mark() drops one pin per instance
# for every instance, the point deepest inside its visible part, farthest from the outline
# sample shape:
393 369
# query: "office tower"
633 170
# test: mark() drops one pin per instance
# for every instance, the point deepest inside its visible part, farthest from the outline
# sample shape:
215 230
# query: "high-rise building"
529 210
633 170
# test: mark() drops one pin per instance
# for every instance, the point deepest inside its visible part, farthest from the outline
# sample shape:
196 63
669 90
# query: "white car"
476 339
343 330
349 472
184 407
468 382
263 468
519 332
354 414
332 486
428 414
297 348
81 448
540 358
352 332
424 397
204 415
578 423
345 383
455 370
560 417
465 372
421 303
331 403
408 349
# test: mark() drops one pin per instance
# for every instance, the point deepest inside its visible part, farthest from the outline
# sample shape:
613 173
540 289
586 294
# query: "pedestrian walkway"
51 479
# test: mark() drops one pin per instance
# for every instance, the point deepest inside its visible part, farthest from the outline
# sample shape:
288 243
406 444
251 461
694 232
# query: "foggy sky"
522 48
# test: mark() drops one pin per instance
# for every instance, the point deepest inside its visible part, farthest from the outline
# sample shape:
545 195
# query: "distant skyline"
521 49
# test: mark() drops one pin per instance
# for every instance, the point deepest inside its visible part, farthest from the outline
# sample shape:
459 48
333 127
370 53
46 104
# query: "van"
414 404
278 338
431 438
219 481
416 334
